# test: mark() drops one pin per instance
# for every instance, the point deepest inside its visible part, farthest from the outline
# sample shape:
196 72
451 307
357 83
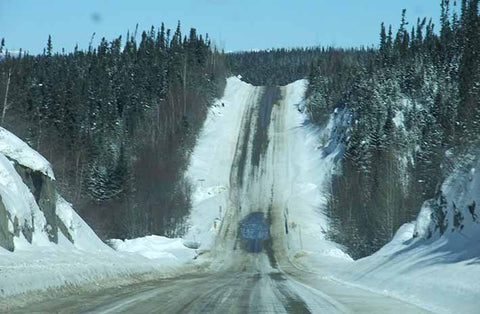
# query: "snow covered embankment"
420 265
434 261
312 154
211 162
44 244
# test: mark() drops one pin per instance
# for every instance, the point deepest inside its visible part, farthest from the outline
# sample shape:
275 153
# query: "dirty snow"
211 161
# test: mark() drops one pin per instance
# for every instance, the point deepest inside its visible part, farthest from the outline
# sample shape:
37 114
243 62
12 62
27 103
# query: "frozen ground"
285 176
247 166
441 274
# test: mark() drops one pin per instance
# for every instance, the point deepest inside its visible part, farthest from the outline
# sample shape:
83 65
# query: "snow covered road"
256 168
249 291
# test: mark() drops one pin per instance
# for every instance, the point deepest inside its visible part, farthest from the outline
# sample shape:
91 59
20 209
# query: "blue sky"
232 24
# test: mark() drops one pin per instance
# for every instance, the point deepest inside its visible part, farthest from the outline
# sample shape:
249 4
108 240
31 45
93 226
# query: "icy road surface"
250 269
245 291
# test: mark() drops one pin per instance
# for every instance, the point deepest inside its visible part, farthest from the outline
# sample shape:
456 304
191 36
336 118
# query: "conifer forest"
119 120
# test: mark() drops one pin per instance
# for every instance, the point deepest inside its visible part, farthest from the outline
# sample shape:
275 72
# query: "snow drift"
156 247
433 262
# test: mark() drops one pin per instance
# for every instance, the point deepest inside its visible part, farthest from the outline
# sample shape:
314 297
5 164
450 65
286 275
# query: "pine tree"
49 46
469 89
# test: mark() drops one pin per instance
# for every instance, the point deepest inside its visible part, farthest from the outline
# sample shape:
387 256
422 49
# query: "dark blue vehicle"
254 229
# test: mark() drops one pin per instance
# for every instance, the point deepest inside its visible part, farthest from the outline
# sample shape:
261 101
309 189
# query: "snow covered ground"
425 267
212 159
421 266
311 155
59 266
39 264
156 247
306 168
437 272
42 265
441 273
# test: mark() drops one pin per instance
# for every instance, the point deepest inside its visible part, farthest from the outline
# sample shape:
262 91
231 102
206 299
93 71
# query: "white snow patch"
14 148
423 221
399 120
156 247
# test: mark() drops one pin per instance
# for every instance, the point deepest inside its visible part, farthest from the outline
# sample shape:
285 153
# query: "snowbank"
156 247
88 261
211 161
440 272
15 149
55 267
312 153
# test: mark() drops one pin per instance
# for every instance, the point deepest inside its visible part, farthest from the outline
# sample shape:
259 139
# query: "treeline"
283 66
413 102
118 122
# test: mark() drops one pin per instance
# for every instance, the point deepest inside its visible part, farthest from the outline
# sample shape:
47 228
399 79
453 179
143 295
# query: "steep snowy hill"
301 168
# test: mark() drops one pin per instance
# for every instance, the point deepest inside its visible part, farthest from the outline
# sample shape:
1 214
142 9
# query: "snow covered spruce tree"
413 100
